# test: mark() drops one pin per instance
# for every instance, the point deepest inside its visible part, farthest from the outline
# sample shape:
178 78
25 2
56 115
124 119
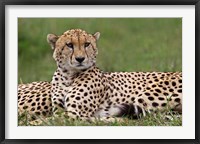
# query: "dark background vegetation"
126 44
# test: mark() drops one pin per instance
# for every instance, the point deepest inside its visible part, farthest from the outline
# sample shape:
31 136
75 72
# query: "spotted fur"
85 92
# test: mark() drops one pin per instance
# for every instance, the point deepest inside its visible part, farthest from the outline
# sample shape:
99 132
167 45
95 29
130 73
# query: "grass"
125 44
157 119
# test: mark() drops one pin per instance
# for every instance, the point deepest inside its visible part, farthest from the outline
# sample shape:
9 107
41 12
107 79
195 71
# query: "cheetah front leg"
93 119
84 109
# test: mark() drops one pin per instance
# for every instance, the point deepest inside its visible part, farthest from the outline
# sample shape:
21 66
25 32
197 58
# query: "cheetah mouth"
80 66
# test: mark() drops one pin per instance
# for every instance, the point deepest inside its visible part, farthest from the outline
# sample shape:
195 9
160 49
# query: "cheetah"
82 91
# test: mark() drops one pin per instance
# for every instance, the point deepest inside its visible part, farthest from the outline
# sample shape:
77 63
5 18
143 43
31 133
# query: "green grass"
126 44
157 119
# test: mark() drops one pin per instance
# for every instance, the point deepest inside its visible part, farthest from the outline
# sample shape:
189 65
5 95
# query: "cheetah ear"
51 39
96 35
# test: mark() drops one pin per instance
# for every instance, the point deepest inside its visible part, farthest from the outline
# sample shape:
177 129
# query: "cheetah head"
75 49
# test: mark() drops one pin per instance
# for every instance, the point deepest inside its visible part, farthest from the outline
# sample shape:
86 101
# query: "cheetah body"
83 91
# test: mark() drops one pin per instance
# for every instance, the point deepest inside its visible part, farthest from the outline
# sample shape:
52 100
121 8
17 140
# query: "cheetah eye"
70 45
87 44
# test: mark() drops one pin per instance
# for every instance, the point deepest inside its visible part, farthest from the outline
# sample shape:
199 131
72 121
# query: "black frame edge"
2 74
102 141
89 2
101 2
197 59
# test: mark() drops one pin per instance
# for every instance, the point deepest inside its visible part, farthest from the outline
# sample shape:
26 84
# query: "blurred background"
125 44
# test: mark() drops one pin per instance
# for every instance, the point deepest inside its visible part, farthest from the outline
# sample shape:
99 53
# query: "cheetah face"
75 49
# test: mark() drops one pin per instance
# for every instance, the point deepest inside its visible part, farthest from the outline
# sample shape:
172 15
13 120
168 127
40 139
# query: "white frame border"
187 131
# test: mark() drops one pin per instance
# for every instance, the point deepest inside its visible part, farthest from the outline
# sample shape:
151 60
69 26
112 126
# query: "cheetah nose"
80 59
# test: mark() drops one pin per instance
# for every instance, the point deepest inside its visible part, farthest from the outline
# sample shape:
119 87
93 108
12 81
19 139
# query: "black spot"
110 103
157 90
26 92
74 95
180 91
77 98
148 88
43 103
163 104
180 81
174 95
85 94
56 79
166 82
37 99
46 107
161 98
44 99
61 105
79 106
147 94
44 113
153 85
39 107
32 109
29 100
85 101
155 94
177 100
25 107
171 90
33 96
81 90
166 94
60 100
150 81
154 104
150 98
67 100
33 104
73 105
140 100
173 83
144 104
44 95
